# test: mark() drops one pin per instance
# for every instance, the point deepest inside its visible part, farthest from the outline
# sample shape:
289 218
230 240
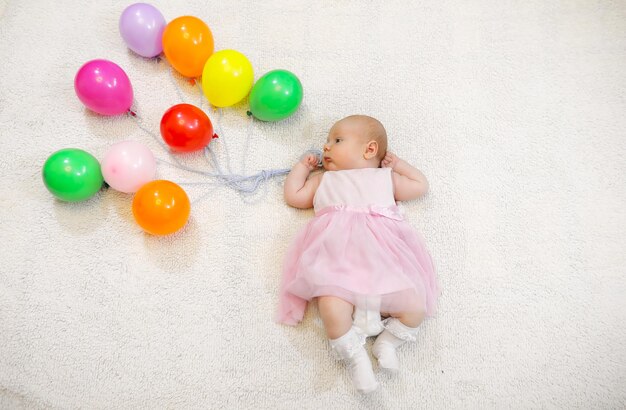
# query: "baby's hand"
310 161
390 161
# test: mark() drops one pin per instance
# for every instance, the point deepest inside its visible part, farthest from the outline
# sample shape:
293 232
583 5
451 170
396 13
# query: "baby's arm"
408 181
299 191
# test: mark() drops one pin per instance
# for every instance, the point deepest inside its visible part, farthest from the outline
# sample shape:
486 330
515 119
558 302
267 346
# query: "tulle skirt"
359 256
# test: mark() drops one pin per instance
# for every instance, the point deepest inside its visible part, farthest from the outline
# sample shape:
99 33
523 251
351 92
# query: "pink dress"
359 248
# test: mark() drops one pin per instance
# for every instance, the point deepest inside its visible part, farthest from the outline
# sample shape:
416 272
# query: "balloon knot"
192 81
249 113
215 136
132 113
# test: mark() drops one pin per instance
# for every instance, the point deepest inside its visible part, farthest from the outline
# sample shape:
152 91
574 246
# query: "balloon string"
246 146
178 91
244 184
220 132
201 94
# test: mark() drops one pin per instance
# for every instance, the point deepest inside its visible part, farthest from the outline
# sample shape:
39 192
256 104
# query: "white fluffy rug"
515 112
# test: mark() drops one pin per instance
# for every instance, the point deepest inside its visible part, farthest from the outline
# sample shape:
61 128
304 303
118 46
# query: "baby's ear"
371 149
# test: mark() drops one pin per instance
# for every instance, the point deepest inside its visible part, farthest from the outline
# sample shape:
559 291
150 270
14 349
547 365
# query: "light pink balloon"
128 165
104 87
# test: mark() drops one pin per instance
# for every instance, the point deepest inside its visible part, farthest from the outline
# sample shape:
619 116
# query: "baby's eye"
337 140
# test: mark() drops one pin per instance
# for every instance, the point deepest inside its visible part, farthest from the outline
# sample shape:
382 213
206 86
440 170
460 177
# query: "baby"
358 256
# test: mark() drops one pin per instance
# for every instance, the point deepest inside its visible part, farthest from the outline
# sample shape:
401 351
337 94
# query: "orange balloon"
161 207
187 44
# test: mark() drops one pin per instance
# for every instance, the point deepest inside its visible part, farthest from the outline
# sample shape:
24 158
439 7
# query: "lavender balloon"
141 26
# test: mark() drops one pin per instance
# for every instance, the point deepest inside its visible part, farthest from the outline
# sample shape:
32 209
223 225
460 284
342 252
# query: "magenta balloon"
141 26
103 87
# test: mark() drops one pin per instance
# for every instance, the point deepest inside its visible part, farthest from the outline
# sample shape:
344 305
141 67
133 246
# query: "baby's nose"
326 148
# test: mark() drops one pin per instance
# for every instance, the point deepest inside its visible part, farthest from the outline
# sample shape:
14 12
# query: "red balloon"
185 127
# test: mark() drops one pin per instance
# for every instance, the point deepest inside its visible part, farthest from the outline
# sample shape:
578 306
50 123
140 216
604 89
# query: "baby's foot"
385 352
387 342
394 335
360 367
349 347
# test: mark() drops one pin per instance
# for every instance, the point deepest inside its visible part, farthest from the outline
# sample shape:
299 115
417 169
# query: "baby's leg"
399 328
336 314
412 318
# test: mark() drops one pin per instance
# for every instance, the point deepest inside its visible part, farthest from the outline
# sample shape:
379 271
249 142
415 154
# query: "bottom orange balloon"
161 207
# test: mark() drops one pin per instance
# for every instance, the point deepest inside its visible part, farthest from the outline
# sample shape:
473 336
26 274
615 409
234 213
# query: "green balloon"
72 175
275 96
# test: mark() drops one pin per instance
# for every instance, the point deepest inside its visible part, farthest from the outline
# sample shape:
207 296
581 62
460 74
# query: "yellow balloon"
227 78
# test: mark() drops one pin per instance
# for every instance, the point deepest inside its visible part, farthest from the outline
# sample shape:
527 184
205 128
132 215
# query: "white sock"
349 347
396 333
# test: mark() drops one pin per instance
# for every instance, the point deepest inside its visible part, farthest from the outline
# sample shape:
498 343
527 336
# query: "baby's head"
357 141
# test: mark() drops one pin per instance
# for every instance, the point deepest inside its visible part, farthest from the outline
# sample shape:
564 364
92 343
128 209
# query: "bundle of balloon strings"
244 184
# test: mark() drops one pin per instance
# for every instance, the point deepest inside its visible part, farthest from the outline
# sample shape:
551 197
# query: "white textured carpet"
515 112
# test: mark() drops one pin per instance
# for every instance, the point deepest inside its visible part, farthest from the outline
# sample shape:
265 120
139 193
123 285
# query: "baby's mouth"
326 159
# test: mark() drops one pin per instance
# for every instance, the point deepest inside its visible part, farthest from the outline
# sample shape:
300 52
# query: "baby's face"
345 146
